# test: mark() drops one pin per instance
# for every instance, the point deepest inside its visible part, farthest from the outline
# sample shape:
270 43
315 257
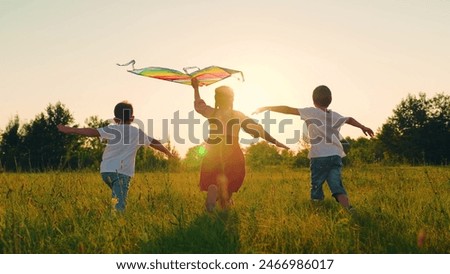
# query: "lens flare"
201 151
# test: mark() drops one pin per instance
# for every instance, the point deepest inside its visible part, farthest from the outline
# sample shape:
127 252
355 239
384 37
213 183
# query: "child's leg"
334 181
120 190
108 178
226 203
319 174
343 200
224 192
211 197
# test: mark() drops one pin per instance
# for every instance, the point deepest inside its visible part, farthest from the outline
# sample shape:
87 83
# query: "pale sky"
370 53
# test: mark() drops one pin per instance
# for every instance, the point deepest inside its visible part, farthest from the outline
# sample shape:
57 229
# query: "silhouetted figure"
223 166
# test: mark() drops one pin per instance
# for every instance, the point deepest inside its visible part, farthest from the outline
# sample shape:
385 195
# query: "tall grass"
399 210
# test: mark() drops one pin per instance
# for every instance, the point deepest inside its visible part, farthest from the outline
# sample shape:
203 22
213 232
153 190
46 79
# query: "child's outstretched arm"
158 146
256 130
365 130
266 136
89 132
280 109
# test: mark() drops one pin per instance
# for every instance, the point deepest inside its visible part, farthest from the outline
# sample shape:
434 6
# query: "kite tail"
132 62
242 74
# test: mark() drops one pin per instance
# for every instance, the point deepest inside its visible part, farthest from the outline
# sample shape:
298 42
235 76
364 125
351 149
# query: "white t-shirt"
323 131
123 141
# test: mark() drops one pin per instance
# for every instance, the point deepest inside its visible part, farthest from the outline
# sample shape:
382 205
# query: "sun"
261 87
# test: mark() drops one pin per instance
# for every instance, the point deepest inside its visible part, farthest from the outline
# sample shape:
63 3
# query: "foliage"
416 133
262 154
419 130
91 151
148 159
301 159
10 143
363 151
39 146
194 157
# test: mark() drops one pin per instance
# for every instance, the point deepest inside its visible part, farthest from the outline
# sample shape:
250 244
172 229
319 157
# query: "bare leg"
343 200
211 197
227 202
224 196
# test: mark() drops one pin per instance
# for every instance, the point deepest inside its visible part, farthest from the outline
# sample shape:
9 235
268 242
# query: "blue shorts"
326 169
119 184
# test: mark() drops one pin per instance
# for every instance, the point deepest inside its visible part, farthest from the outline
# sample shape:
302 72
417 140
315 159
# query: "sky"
371 54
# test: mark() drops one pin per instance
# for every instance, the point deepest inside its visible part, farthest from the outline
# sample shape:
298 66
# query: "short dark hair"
322 96
123 111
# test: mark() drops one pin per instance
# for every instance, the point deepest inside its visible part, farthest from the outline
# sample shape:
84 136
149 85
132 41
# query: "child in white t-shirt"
123 141
326 149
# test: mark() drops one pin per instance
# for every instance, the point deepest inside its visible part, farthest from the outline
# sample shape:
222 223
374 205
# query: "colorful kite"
206 76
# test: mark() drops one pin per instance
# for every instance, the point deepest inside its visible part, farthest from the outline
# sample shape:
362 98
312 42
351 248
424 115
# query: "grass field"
399 210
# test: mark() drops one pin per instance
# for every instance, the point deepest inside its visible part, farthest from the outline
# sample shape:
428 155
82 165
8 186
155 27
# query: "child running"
326 149
118 161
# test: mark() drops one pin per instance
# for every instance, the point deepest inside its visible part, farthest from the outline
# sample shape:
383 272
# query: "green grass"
71 213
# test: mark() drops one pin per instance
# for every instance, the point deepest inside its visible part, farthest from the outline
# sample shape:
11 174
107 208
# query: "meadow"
399 210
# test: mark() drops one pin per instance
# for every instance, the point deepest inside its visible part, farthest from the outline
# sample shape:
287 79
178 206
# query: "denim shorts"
119 184
326 169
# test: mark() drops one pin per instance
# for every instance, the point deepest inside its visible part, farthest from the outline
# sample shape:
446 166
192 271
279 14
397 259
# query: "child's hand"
194 83
259 110
367 131
284 146
278 144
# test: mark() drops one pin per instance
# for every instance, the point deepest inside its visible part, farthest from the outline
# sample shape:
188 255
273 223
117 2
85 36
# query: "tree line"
38 146
417 132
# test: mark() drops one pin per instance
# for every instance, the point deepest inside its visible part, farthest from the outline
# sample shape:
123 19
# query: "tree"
288 158
419 130
363 151
39 146
148 159
46 148
10 144
91 151
262 154
194 157
301 158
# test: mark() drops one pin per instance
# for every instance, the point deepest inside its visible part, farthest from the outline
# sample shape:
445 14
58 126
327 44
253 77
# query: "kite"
206 76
